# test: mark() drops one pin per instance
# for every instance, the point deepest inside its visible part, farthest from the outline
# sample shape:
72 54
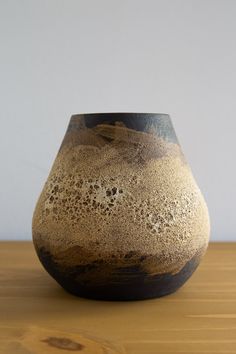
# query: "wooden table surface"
37 316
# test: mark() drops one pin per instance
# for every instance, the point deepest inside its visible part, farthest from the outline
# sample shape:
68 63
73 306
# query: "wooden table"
37 316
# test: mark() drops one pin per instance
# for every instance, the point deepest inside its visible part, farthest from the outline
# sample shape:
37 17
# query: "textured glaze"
120 216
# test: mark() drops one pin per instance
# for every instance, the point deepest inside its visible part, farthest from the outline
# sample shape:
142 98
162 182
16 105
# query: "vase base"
147 287
127 284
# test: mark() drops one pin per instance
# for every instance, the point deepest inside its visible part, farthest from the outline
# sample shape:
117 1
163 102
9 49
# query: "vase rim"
123 113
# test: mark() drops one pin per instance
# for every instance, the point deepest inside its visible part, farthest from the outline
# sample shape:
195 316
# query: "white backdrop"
60 57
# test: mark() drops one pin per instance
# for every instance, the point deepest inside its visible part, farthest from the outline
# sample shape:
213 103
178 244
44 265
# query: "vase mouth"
116 114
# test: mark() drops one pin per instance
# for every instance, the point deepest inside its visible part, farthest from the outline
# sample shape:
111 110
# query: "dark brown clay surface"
124 283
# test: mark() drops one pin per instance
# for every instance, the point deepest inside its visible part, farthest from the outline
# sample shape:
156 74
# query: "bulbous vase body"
120 216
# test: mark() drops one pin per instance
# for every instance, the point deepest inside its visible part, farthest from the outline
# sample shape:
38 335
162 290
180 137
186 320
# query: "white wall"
60 57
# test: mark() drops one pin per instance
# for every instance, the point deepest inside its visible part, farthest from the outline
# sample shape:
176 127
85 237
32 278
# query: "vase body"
120 216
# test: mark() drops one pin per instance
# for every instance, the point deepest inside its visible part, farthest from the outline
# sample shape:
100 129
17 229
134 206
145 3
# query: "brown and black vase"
120 216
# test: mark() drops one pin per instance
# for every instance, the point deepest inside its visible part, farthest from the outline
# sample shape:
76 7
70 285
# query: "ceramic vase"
120 216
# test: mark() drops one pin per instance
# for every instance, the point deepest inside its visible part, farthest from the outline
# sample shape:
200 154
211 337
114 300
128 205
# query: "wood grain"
37 316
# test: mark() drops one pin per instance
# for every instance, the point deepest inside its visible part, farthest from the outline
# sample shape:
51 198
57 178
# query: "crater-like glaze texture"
120 216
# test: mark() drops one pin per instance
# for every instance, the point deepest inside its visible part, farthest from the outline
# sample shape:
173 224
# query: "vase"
120 216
